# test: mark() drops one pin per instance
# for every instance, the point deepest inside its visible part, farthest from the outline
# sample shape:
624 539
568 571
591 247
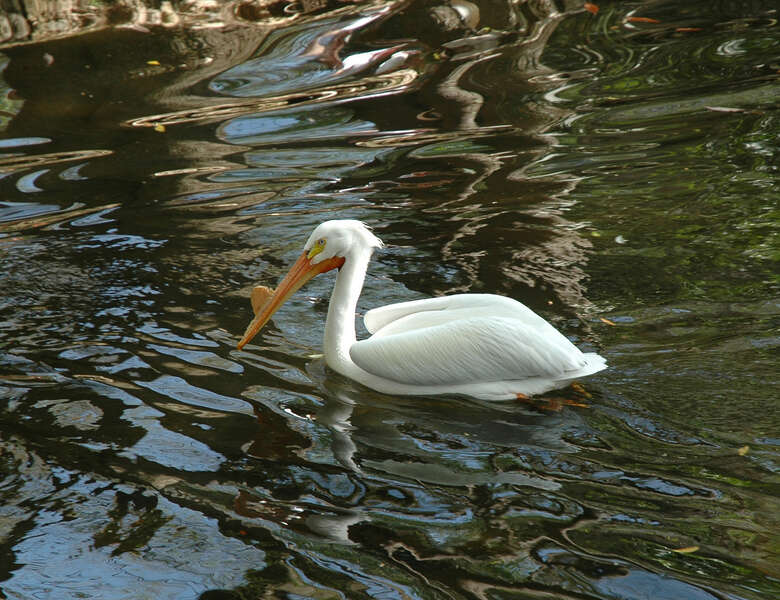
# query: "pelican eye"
321 242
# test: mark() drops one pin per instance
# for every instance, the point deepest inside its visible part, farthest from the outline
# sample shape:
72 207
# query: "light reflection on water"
597 168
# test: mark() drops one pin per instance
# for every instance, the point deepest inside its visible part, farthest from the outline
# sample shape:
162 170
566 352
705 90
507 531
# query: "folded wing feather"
405 316
464 350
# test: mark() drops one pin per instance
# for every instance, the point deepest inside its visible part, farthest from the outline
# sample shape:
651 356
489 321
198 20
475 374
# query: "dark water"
618 175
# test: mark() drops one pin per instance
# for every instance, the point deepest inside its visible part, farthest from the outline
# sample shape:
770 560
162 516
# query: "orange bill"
300 273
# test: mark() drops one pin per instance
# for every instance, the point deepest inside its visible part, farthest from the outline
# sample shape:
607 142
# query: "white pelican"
481 345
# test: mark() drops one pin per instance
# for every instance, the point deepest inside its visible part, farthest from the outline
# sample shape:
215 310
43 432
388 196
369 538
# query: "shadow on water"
616 171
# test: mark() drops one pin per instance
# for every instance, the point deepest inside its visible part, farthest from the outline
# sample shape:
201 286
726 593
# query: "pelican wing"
467 350
417 314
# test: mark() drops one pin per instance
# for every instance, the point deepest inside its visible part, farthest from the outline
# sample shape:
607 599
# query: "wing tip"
593 363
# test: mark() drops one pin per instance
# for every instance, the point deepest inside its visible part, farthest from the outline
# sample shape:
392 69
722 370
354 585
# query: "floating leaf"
607 321
591 8
743 450
726 109
153 62
642 20
687 29
686 550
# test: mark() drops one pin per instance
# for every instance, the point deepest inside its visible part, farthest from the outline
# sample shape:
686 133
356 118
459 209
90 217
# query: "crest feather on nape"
369 231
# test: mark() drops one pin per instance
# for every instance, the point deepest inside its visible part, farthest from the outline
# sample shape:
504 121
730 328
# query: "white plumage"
481 345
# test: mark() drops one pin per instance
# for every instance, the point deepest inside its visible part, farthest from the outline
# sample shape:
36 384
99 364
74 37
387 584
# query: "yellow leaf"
743 450
607 321
686 550
159 128
153 62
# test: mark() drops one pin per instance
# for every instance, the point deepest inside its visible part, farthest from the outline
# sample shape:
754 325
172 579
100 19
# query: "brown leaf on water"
686 550
607 321
591 8
688 29
743 450
642 20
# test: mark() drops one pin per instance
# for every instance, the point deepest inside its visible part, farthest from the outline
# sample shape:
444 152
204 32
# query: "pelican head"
334 239
328 247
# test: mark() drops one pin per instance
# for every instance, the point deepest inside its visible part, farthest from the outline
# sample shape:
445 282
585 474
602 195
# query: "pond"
614 167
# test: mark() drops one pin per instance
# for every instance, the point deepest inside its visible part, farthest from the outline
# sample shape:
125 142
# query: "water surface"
617 172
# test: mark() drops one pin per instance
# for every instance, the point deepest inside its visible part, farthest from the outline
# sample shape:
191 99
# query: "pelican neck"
340 324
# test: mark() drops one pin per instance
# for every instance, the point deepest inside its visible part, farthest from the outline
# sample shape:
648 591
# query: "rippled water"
617 172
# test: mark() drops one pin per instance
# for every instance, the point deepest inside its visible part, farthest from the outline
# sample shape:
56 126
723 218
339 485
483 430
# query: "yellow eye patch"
318 247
